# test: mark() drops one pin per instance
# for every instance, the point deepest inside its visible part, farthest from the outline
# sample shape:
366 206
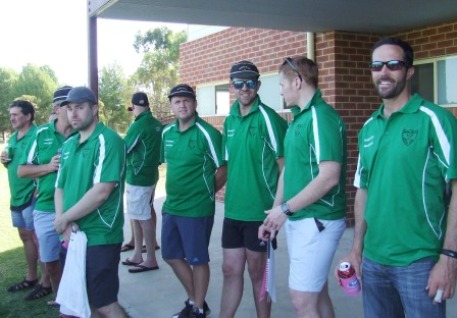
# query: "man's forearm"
35 171
360 224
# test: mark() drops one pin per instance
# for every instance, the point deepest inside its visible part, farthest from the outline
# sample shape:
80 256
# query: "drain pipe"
310 52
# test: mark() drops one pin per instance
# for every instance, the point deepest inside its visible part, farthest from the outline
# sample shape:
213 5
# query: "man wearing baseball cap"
143 150
41 162
253 148
89 193
191 148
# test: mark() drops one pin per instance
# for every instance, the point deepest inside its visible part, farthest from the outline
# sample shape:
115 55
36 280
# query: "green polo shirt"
404 163
317 133
143 150
192 157
99 159
21 189
251 146
45 144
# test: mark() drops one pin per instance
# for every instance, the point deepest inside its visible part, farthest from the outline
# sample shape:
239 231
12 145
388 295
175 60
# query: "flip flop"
127 247
130 263
141 268
53 303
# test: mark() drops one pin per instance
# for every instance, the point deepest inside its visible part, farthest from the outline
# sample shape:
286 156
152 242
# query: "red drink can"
348 279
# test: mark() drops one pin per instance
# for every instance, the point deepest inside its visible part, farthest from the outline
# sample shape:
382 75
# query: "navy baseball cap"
140 99
244 69
61 94
182 90
80 95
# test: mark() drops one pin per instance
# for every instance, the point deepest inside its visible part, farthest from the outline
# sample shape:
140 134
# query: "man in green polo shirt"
41 162
143 151
191 148
253 147
405 237
22 198
89 193
311 198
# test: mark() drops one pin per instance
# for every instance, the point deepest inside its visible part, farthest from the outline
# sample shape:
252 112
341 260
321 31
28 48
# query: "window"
436 80
222 99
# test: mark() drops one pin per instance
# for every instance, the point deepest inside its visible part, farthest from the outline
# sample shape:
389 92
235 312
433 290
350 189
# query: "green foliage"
41 83
8 79
114 95
158 72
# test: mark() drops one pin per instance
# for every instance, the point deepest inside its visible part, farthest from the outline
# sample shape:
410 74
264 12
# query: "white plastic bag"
72 294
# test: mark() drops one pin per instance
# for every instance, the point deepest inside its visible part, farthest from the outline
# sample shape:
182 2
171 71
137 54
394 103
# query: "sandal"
25 284
39 292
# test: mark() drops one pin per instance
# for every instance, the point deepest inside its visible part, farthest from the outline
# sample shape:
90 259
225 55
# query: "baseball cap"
140 99
182 90
244 69
80 95
61 94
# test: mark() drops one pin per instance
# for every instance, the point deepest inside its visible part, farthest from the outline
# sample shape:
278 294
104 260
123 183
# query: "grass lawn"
13 266
12 260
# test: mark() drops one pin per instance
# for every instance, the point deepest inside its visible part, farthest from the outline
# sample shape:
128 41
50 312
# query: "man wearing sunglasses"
311 198
253 147
405 238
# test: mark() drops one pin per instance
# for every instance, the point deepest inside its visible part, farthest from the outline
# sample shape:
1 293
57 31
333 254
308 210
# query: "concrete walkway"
158 294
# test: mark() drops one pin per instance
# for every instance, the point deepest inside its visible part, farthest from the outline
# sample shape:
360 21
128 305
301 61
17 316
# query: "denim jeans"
396 291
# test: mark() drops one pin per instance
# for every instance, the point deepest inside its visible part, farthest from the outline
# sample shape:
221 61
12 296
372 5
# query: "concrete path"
158 294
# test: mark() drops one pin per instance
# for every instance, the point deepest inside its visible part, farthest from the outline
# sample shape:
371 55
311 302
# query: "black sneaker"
185 312
197 314
206 309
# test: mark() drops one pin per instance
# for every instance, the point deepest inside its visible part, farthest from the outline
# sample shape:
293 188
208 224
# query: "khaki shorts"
138 198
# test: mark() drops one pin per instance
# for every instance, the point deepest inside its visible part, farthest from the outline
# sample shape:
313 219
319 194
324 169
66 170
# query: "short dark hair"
25 106
408 53
306 67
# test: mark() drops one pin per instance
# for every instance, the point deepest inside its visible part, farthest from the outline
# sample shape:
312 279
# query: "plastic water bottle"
348 279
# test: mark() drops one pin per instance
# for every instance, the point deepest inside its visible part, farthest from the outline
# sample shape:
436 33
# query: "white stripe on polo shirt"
274 142
210 143
101 158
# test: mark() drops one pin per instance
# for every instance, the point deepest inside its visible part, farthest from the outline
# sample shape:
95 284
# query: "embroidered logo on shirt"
408 136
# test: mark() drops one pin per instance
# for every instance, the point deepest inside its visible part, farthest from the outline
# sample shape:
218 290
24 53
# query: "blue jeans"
393 291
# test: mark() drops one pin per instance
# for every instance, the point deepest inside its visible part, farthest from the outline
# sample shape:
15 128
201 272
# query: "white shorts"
311 252
138 198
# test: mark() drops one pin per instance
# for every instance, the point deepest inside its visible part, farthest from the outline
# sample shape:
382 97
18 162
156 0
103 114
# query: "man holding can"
405 237
311 198
41 162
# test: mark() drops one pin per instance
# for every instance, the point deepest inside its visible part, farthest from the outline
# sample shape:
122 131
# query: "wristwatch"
286 209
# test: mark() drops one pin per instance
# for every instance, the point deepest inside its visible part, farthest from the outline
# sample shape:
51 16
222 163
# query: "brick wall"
342 57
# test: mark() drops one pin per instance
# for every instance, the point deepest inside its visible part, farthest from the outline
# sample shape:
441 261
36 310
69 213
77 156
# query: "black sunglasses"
293 67
392 65
238 84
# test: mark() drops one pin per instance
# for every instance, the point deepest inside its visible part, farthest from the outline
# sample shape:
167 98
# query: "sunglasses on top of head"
293 67
238 84
392 65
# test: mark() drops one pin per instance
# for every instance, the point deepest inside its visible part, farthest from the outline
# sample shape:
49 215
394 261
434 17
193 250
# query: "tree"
113 94
158 71
8 78
41 83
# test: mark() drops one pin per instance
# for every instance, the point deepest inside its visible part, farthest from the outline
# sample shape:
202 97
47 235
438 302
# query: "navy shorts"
102 265
238 234
186 238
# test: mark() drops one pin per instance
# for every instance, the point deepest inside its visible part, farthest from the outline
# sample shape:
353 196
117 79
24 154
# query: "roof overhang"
367 16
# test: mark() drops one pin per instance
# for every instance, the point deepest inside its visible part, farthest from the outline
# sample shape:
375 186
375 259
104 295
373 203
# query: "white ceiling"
367 16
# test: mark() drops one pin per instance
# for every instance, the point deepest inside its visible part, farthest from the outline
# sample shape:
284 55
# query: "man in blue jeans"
405 225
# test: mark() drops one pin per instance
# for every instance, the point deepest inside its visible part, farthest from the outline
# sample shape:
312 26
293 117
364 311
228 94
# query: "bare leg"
184 273
256 266
149 234
201 274
305 304
325 305
55 273
232 288
132 236
31 252
153 217
137 257
113 310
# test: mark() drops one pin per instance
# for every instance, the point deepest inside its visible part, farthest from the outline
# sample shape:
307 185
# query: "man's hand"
443 276
54 163
355 259
272 223
61 223
4 157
